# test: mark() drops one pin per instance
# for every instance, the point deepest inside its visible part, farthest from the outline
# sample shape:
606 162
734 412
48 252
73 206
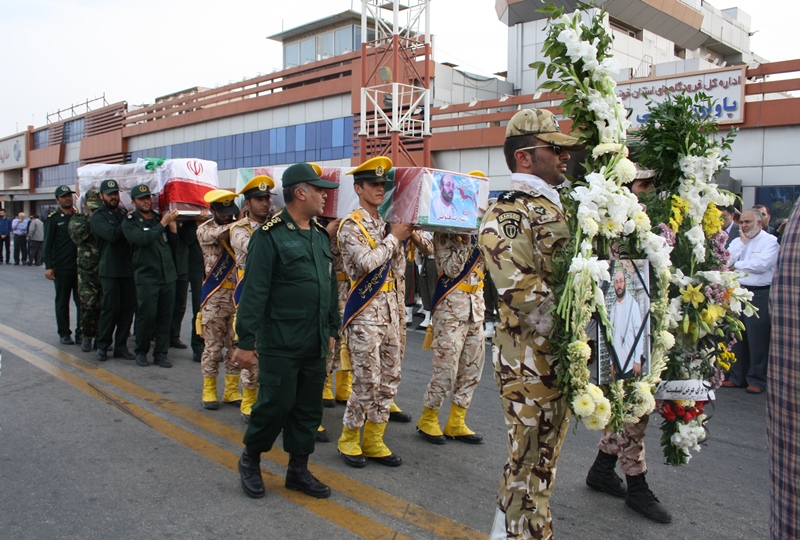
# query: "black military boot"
250 473
86 344
641 499
299 478
602 476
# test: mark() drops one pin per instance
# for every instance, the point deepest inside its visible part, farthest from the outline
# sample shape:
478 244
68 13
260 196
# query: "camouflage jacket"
208 235
240 236
80 231
451 255
518 238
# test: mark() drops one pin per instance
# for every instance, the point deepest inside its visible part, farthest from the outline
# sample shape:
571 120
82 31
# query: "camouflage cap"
92 199
542 125
641 173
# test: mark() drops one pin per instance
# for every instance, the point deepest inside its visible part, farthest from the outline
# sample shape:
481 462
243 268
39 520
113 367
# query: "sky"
59 53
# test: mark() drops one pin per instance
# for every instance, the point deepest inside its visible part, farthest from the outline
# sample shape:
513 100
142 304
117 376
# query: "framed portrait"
623 347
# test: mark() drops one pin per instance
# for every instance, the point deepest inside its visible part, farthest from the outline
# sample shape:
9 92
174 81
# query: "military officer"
217 311
90 290
116 274
60 257
518 238
373 258
289 310
256 211
154 274
457 336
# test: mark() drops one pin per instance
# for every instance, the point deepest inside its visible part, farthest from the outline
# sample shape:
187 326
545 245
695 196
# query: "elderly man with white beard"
626 319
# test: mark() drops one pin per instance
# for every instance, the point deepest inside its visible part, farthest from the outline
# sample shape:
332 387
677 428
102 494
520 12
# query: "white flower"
595 392
606 148
626 170
642 221
583 405
697 239
667 339
594 423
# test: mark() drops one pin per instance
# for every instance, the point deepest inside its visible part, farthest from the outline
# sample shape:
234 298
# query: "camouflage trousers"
628 446
217 317
375 355
249 377
458 357
537 418
334 359
90 294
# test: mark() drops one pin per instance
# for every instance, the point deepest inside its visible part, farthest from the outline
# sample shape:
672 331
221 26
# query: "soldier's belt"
388 286
228 285
470 288
341 276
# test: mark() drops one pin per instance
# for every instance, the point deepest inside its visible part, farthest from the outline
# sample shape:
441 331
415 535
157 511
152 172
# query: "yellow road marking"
394 506
335 513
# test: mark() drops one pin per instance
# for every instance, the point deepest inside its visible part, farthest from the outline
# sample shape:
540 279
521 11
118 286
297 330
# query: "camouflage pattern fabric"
90 291
217 314
240 238
458 340
424 246
373 337
518 238
628 446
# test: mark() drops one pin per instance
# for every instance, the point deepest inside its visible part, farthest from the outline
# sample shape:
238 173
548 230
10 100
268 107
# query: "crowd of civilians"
27 235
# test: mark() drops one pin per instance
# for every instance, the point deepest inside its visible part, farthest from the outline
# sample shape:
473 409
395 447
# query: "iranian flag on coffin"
245 174
340 202
184 182
437 200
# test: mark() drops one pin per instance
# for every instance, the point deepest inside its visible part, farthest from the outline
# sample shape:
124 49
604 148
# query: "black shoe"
250 474
602 476
177 344
472 438
86 344
161 361
399 416
357 462
141 360
433 439
641 499
102 355
323 436
329 403
391 460
299 478
125 354
66 340
196 356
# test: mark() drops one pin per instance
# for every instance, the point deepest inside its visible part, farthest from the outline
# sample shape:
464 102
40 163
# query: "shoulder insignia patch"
51 214
510 196
271 223
539 210
356 215
508 223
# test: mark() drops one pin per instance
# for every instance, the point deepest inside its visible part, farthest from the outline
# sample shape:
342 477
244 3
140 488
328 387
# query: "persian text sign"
13 154
725 87
692 389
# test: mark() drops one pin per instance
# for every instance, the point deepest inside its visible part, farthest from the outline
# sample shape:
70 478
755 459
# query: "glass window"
357 37
307 52
41 138
73 131
324 45
343 38
291 55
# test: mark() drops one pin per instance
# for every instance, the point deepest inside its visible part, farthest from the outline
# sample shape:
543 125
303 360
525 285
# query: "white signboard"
725 86
691 389
12 153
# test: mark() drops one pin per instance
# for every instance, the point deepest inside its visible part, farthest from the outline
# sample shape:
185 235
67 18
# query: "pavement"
96 450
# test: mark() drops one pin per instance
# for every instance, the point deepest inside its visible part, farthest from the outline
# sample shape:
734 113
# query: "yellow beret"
259 186
372 170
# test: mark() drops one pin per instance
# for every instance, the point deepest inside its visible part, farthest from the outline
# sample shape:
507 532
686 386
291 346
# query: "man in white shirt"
754 256
626 320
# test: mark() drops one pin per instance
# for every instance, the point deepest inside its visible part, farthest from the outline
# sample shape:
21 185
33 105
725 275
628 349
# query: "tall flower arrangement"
602 212
686 149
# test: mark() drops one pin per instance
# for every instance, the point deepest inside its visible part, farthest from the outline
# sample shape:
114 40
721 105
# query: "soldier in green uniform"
90 291
154 274
519 236
116 274
290 308
60 258
179 244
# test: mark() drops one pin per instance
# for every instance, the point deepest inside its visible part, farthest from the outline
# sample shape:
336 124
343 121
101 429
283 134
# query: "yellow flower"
711 314
594 423
583 405
712 220
674 225
693 295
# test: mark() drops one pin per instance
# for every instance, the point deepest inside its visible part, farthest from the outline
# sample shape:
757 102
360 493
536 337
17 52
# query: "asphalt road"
90 450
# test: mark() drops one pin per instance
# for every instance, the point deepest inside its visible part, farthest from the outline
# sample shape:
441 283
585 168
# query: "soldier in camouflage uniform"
519 236
628 445
458 342
373 334
256 211
90 290
216 315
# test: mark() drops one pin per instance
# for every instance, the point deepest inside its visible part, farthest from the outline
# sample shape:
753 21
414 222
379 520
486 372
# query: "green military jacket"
180 247
60 252
290 297
115 251
152 257
80 231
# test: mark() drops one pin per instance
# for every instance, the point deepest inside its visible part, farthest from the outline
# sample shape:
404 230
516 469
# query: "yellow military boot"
375 449
248 400
457 429
428 426
396 414
327 393
344 385
232 395
210 393
350 449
